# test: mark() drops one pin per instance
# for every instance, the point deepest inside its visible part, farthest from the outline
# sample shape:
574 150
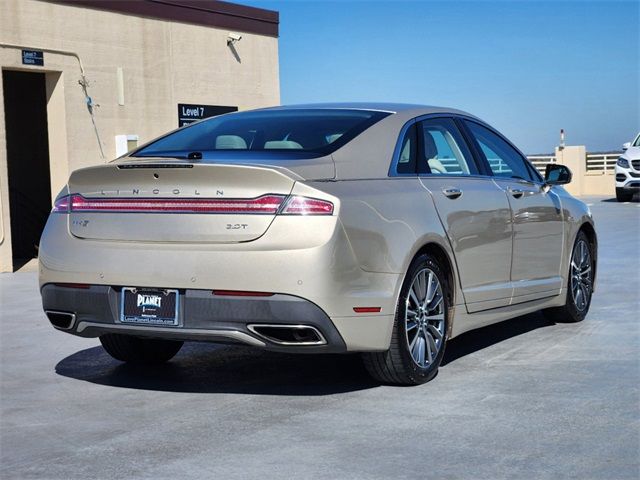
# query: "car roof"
375 106
376 143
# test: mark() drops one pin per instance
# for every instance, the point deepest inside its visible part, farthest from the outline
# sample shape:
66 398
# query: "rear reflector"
239 293
73 285
367 309
267 204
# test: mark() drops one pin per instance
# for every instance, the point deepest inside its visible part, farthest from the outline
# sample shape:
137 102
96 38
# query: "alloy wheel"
424 318
581 275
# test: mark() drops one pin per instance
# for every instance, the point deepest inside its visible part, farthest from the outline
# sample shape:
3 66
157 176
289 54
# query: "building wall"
585 182
601 183
164 63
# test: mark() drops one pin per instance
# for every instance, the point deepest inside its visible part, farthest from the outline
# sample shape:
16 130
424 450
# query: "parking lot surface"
522 399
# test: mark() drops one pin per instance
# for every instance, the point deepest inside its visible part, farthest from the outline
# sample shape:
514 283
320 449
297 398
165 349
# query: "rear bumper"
202 317
315 264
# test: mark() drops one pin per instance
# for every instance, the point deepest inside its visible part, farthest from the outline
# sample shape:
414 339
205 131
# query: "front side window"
503 159
443 149
316 131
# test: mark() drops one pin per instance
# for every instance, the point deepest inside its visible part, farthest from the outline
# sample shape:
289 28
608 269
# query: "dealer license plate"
149 306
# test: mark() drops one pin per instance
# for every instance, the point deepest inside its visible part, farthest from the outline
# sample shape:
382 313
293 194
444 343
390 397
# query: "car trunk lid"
176 201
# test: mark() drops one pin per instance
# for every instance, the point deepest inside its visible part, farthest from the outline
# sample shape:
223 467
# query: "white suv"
628 171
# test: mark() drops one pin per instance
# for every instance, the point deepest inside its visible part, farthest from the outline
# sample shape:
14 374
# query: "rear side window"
503 159
320 131
443 150
408 152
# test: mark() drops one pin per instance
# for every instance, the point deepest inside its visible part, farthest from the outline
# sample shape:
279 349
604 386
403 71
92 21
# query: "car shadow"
635 199
481 338
209 368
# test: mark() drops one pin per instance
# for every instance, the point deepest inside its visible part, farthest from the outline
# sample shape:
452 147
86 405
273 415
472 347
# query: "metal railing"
594 162
540 161
602 162
451 165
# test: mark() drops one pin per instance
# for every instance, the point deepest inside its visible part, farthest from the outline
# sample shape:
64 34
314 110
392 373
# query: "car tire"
575 309
623 196
417 329
139 350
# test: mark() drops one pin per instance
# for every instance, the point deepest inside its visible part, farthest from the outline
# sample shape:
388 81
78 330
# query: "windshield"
637 142
319 131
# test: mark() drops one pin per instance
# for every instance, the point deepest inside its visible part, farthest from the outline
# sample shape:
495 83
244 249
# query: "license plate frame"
152 307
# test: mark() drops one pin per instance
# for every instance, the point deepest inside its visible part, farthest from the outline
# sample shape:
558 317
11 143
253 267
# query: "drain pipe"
83 82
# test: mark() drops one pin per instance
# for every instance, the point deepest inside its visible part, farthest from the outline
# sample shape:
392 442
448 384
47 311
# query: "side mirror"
626 146
556 174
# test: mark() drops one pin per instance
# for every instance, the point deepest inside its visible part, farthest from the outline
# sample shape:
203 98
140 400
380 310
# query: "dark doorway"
25 110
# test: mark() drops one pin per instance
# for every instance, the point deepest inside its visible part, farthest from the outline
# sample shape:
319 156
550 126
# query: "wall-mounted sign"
32 57
188 113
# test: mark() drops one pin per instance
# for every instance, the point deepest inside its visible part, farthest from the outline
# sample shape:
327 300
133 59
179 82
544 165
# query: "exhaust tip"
289 334
62 320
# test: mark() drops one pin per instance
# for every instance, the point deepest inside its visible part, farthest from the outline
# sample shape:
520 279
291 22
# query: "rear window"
300 130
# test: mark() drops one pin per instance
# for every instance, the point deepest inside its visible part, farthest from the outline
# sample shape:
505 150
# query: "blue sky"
528 68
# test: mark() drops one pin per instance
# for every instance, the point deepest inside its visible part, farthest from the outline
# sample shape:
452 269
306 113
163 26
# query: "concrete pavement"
522 399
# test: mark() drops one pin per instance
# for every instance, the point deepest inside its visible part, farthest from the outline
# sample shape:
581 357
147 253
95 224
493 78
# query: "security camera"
233 38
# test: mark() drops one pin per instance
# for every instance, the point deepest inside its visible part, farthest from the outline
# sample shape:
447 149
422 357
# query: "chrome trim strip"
252 328
192 332
396 152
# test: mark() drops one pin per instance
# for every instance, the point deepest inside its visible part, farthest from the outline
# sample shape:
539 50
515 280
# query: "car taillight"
307 206
61 205
267 204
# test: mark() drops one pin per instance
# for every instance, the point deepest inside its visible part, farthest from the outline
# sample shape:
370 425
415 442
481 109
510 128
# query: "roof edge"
212 13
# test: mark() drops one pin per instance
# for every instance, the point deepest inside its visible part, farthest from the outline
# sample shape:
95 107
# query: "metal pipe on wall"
83 81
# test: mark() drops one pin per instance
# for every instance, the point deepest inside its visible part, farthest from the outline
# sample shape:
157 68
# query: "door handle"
452 193
516 192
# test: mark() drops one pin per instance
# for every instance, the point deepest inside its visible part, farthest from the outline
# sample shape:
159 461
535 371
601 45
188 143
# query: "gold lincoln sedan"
383 229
